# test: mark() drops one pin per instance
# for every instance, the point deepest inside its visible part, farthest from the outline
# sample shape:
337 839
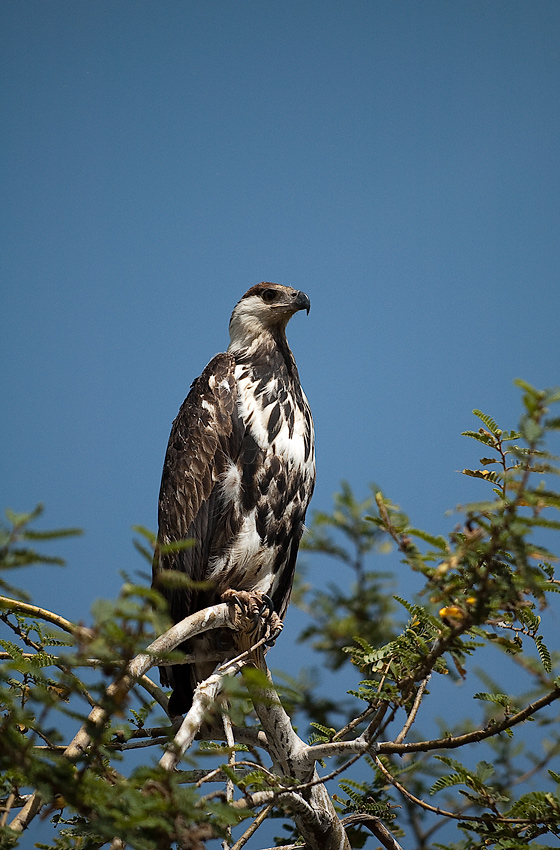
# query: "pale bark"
311 806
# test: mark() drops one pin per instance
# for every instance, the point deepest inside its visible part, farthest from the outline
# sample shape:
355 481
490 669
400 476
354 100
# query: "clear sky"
398 161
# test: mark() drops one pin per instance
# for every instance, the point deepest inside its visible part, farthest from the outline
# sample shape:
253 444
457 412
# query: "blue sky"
398 161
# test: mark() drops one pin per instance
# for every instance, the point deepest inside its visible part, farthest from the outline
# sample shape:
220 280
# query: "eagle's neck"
271 402
268 346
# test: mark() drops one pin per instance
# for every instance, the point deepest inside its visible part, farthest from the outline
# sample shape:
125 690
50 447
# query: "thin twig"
414 711
9 803
216 775
437 811
356 722
260 818
230 740
243 655
24 636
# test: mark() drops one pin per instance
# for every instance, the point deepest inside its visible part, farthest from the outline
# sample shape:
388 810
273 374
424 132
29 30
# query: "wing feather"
205 438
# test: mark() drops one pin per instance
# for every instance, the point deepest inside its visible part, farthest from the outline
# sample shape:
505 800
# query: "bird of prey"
237 478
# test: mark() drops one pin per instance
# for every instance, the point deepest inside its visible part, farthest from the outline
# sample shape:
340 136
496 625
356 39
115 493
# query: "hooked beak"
302 302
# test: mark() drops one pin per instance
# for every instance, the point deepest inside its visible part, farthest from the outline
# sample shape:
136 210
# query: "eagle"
237 479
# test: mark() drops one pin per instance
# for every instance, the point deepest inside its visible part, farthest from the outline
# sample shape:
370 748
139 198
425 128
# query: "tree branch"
375 826
414 711
204 695
260 818
218 616
455 815
471 737
29 610
323 830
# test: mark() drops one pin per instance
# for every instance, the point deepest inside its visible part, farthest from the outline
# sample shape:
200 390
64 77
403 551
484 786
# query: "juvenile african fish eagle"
238 476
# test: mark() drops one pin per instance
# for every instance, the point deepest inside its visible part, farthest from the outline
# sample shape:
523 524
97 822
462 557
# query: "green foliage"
14 549
484 584
358 606
485 777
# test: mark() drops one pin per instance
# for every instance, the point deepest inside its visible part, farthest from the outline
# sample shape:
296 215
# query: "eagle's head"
265 309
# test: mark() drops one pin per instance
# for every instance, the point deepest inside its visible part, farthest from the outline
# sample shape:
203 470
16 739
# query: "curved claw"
273 636
239 599
266 606
257 611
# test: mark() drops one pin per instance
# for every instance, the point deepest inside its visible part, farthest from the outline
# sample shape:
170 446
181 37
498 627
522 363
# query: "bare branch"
375 826
319 825
472 737
29 610
28 812
8 805
295 803
204 695
260 818
414 711
316 752
218 616
243 735
226 719
455 815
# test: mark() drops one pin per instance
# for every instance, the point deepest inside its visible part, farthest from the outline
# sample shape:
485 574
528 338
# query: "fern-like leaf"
439 542
327 731
14 651
446 782
487 439
544 654
497 699
488 421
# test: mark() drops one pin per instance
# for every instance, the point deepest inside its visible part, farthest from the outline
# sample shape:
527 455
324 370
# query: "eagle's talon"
254 614
237 599
266 606
274 634
248 605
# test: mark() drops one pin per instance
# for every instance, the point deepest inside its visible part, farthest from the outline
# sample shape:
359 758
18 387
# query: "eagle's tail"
181 678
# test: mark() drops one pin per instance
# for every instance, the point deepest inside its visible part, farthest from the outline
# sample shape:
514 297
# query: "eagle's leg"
256 616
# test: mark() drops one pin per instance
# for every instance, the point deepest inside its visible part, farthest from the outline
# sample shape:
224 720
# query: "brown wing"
206 436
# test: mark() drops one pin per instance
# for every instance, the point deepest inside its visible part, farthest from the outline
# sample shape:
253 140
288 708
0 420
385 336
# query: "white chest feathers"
278 418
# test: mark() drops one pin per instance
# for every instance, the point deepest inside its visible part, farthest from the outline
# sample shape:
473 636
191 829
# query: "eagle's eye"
268 296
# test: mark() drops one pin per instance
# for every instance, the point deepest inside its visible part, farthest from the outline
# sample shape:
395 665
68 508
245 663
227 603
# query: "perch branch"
320 825
204 695
218 616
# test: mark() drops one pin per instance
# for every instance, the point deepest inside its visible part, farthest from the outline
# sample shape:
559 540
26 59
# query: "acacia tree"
485 779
